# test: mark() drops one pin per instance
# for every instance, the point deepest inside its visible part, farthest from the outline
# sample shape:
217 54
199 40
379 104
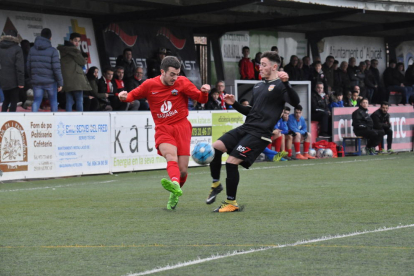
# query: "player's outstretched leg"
172 186
215 168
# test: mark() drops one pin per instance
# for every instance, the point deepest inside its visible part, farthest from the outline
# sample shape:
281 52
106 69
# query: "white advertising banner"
202 130
232 45
361 48
29 25
36 145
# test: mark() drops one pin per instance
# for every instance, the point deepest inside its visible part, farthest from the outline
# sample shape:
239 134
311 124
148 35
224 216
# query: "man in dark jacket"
11 69
381 119
43 67
127 62
320 109
379 93
328 70
292 68
134 82
364 126
74 79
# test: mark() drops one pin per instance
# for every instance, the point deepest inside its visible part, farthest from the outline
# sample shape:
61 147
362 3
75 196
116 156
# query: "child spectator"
317 75
246 65
213 102
336 100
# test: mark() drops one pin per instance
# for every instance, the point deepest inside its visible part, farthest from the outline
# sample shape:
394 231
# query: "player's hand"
59 88
276 132
229 99
283 76
122 96
205 88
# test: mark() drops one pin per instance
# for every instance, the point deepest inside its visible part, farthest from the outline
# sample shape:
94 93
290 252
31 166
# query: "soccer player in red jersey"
167 96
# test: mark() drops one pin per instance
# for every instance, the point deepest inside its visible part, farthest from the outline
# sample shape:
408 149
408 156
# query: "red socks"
297 146
278 144
306 147
289 152
182 180
173 171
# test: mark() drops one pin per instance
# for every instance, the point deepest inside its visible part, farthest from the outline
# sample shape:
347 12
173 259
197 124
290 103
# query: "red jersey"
168 104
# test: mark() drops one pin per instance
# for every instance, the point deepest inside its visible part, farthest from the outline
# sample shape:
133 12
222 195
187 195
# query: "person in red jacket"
246 65
167 97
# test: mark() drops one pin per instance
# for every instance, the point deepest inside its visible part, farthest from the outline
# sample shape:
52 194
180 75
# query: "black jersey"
268 101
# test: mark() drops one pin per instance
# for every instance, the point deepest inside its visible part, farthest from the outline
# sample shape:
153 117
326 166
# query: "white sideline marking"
53 187
201 173
235 253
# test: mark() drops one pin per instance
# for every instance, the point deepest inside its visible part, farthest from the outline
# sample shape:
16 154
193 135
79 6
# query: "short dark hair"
364 99
338 93
119 68
336 61
384 103
317 62
46 33
74 35
126 50
305 57
319 82
329 57
272 56
245 47
106 69
170 61
214 90
293 56
362 63
354 91
287 108
274 48
299 107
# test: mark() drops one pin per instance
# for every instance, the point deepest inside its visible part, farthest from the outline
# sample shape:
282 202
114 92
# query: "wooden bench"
352 145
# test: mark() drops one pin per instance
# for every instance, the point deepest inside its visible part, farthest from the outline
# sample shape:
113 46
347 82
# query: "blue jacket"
282 125
296 126
336 104
43 64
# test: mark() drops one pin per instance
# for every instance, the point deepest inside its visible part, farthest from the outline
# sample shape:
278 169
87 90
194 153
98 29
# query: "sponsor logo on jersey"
166 110
243 149
174 92
271 87
154 93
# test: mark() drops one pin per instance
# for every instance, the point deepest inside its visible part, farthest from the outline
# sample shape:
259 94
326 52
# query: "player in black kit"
245 143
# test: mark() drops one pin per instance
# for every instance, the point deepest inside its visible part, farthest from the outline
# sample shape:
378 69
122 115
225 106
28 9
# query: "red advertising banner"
401 118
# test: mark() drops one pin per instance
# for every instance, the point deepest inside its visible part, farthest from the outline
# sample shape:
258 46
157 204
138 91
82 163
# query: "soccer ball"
312 152
203 153
319 153
327 153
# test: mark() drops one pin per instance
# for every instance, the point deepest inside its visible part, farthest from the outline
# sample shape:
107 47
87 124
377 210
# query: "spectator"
381 120
275 49
74 80
371 84
352 71
25 45
336 100
118 79
134 82
360 74
306 69
316 59
280 134
363 126
256 64
388 79
11 69
95 100
409 81
335 65
106 86
292 69
244 102
299 133
328 70
246 65
317 75
320 109
213 103
341 79
154 64
220 85
354 101
43 67
127 62
379 92
395 79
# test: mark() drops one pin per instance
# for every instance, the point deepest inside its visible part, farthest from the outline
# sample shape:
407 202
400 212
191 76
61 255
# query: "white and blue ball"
203 153
319 153
312 152
327 153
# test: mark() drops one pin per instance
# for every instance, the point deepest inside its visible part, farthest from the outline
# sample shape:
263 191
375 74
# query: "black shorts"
244 146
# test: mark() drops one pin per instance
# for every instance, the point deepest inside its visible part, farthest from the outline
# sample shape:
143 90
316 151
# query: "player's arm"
135 94
290 96
192 91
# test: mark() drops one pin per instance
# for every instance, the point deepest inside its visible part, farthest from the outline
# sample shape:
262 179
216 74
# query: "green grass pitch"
118 224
